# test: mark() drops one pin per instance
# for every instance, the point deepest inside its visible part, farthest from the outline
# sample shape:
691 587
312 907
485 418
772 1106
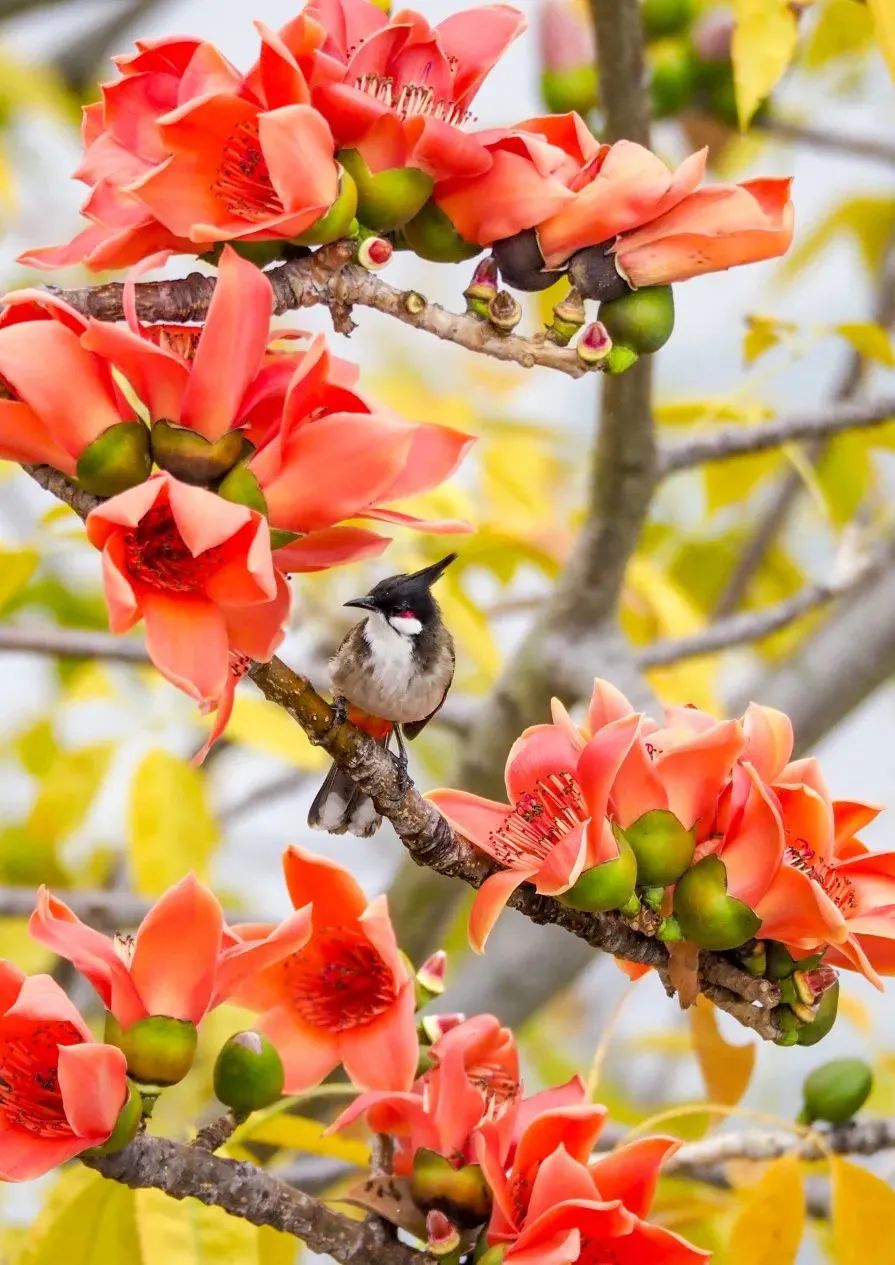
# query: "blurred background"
95 786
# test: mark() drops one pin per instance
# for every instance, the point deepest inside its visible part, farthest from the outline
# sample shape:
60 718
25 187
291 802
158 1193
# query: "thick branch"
860 1137
327 278
253 1195
622 68
71 643
721 443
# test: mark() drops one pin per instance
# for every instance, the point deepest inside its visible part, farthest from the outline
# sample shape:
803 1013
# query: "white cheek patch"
406 624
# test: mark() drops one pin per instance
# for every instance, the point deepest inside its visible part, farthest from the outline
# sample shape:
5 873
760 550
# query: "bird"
390 675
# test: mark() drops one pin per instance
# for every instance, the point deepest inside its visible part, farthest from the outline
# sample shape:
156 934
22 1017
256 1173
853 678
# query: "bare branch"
71 643
849 145
860 1137
248 1192
749 626
721 443
112 909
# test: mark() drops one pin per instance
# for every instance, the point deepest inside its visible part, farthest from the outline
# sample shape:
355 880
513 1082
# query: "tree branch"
71 643
721 443
840 143
112 909
859 1137
248 1192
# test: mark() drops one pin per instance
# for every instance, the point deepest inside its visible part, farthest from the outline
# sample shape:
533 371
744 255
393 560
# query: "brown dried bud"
504 312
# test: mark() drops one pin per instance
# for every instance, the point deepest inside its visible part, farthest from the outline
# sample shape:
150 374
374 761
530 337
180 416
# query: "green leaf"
67 790
171 826
763 44
16 568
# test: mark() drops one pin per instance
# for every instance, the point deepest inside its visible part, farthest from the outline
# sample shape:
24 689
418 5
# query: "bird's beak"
363 603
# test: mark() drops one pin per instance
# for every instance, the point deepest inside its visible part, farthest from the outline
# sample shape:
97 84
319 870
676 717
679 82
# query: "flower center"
157 556
411 99
29 1080
540 818
180 340
498 1088
339 981
243 180
841 891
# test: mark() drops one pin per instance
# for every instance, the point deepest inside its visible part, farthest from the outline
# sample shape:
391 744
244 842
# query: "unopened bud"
374 253
414 303
803 1012
712 35
781 963
430 978
483 287
116 460
442 1236
594 345
836 1091
159 1050
126 1125
248 1073
493 1256
386 200
756 961
433 1027
568 317
816 982
504 312
666 17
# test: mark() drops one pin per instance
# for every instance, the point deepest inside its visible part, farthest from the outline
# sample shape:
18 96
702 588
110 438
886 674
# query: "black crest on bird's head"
406 595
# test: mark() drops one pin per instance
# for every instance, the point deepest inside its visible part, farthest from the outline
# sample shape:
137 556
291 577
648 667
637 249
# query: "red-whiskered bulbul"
391 674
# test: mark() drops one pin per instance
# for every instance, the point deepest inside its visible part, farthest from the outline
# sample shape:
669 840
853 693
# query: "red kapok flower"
182 962
198 570
555 1208
555 825
347 996
60 1091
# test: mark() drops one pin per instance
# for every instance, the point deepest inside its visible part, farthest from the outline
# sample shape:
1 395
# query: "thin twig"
71 643
212 1136
859 1137
851 145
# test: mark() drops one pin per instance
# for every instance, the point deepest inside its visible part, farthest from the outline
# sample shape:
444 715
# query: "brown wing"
417 726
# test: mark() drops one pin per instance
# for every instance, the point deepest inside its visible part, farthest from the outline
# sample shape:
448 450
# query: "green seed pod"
620 359
575 89
386 200
338 220
431 235
116 460
248 1073
126 1125
609 885
707 915
460 1193
191 457
672 77
836 1091
666 17
159 1050
642 319
241 487
662 845
824 1018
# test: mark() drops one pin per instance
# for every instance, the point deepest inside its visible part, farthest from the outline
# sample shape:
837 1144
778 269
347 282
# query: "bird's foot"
339 710
399 760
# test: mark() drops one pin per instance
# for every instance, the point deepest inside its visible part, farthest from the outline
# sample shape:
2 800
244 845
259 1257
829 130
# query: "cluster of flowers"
262 448
710 824
331 987
351 121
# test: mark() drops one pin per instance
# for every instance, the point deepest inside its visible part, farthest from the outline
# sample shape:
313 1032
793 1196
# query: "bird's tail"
341 807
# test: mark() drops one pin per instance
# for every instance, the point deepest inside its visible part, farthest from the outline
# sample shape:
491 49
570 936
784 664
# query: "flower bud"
461 1193
431 235
568 56
593 273
780 962
712 35
662 845
338 221
116 460
836 1091
442 1236
387 199
493 1256
666 17
609 885
126 1125
521 263
643 319
620 359
575 89
825 1012
241 486
159 1050
191 457
248 1073
433 1027
483 287
672 80
430 978
568 317
707 915
594 345
756 961
504 312
373 253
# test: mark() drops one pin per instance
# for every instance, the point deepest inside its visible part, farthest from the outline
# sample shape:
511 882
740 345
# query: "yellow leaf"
37 747
67 790
85 1221
842 29
265 727
771 1218
762 334
546 300
856 1012
763 44
868 339
289 1132
884 20
863 1212
188 1233
275 1248
470 626
171 827
16 945
16 568
867 220
726 1069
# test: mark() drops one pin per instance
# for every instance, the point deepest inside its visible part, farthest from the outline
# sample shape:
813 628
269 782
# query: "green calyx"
386 200
662 845
460 1193
609 885
707 915
620 359
126 1125
493 1256
117 459
191 457
241 487
836 1091
824 1017
431 235
248 1073
338 221
159 1050
576 89
642 320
